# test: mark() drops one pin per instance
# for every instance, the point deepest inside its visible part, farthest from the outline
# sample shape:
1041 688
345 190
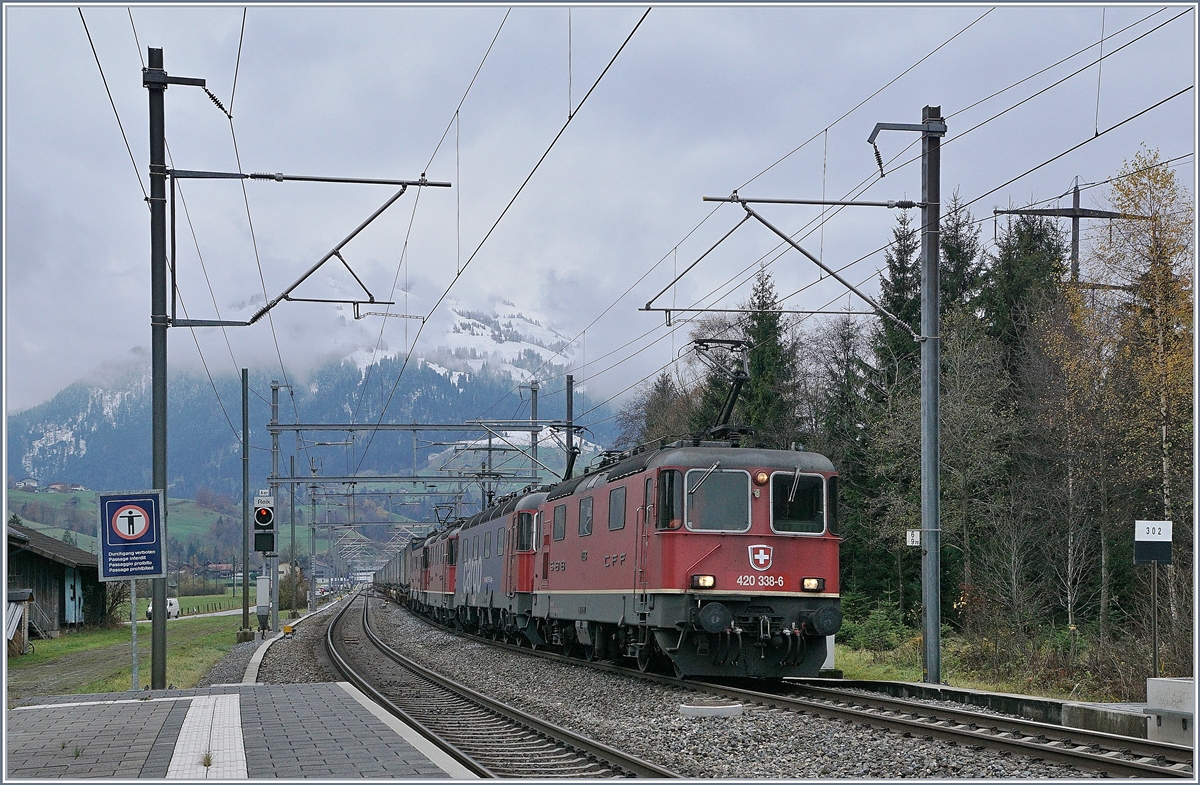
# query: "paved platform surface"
235 731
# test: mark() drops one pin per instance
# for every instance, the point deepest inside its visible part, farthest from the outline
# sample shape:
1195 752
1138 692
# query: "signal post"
264 543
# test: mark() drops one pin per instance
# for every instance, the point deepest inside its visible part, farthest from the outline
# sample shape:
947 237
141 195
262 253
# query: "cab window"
616 508
832 504
524 531
670 500
560 522
717 500
585 516
797 503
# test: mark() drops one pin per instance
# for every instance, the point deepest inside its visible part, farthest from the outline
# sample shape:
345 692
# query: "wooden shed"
65 581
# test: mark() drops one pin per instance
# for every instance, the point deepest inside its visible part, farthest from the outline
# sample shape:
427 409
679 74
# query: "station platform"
231 731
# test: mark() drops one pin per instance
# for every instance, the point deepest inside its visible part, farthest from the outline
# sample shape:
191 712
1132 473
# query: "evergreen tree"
900 294
1025 273
961 271
765 402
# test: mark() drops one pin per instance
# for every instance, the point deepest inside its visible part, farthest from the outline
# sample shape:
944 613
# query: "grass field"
100 660
205 603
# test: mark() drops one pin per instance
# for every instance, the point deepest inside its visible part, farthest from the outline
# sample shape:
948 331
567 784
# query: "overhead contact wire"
504 212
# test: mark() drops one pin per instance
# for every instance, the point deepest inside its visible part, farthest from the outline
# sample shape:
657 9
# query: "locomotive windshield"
796 503
718 500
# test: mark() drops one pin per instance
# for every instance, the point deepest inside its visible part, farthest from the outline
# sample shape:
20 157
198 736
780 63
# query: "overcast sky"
701 100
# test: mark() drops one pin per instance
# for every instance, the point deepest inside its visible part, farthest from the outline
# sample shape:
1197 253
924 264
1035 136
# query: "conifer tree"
896 353
765 400
1024 275
961 271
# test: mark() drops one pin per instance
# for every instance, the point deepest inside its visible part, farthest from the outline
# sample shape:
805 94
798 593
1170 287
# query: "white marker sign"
913 536
1152 531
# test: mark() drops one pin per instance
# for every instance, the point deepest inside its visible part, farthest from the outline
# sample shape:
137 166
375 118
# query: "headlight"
761 478
812 584
704 581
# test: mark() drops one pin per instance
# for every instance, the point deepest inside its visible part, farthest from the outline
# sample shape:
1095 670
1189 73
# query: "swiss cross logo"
760 557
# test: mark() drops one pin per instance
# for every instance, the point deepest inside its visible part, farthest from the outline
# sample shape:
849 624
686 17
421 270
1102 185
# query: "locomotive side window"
585 516
475 547
501 536
487 545
670 500
616 508
452 552
718 500
524 531
560 522
832 504
796 503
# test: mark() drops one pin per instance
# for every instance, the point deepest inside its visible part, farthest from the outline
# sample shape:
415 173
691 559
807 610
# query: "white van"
172 608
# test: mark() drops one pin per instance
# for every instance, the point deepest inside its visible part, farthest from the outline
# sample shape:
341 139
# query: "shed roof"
50 548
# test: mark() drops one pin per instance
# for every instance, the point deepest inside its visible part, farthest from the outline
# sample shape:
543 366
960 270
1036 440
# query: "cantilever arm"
866 298
334 252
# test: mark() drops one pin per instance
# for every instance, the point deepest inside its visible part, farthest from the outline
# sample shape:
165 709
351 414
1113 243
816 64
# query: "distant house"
76 488
27 484
65 581
59 487
218 570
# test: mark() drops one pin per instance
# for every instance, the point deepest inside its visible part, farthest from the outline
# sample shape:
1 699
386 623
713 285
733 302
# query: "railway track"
488 737
1112 754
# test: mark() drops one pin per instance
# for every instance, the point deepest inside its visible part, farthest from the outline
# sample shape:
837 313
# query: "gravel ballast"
300 659
644 719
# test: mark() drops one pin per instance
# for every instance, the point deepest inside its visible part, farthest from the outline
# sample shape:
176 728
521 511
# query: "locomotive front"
744 578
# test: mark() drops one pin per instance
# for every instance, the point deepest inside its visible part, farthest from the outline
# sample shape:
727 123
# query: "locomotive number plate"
761 580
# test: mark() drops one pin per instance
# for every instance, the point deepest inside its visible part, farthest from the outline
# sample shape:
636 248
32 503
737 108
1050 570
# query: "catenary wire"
868 98
479 247
866 184
1077 146
196 242
1056 64
1001 113
764 171
711 213
137 172
416 201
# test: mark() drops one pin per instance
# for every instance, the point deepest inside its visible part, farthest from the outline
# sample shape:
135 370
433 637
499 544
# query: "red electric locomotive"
701 557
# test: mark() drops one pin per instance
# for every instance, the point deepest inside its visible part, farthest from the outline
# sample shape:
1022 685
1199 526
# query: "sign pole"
132 545
1152 545
133 626
1154 611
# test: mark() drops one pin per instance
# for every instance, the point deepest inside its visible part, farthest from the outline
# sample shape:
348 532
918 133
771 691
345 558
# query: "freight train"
697 556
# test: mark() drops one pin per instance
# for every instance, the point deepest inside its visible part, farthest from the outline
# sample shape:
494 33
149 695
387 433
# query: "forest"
1066 415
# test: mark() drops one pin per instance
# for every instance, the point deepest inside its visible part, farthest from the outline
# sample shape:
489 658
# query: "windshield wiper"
711 469
795 485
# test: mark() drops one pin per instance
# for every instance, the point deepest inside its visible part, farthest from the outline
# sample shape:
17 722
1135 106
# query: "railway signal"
264 523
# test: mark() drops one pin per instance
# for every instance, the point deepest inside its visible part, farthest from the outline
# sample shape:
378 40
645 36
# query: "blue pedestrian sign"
131 537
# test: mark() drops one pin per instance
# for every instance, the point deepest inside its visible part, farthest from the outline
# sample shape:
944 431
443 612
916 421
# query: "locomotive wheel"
589 653
644 657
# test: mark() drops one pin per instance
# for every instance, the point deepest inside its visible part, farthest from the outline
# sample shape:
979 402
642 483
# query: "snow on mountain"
467 453
503 339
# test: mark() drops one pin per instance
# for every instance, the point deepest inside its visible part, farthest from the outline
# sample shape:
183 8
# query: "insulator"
878 159
218 103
